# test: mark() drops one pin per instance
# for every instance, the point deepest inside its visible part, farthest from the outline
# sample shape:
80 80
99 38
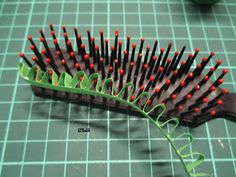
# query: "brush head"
176 81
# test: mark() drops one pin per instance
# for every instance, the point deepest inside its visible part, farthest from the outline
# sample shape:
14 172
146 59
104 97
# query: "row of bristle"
153 69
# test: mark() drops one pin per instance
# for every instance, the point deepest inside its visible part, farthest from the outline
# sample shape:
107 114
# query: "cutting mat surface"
39 137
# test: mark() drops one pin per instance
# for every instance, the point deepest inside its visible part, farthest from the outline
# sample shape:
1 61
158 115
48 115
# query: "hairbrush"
160 87
189 95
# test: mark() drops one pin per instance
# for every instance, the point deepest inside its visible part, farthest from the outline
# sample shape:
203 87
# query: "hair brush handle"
228 109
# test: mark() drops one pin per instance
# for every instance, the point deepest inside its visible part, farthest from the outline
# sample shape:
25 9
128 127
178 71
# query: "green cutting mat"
39 137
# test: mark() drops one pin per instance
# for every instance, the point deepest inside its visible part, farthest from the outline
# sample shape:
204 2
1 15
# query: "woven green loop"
68 84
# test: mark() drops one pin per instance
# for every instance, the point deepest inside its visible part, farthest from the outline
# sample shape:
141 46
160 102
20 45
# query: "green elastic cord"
68 84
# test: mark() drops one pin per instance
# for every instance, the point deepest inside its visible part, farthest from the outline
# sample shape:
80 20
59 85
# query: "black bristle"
102 44
107 53
119 53
133 52
179 58
146 56
89 43
166 55
116 43
158 60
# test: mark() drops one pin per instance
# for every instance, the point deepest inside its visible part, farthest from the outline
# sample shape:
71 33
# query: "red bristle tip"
188 96
29 37
72 54
148 47
141 87
116 33
212 88
168 82
63 27
206 78
34 58
190 75
68 43
219 62
196 109
101 32
197 49
140 55
32 47
42 39
131 64
183 62
86 56
151 78
182 83
101 60
77 65
145 66
161 69
79 36
48 60
204 59
205 100
157 90
80 78
92 39
173 96
91 66
164 103
115 61
52 33
154 58
82 46
224 91
162 49
148 102
197 87
180 108
51 25
190 55
132 97
112 47
133 45
175 72
199 65
58 52
88 31
50 72
106 41
125 52
74 28
213 112
220 81
219 102
142 39
176 53
63 62
121 71
21 54
212 69
55 41
225 71
212 53
119 42
43 51
128 37
168 60
97 47
65 34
